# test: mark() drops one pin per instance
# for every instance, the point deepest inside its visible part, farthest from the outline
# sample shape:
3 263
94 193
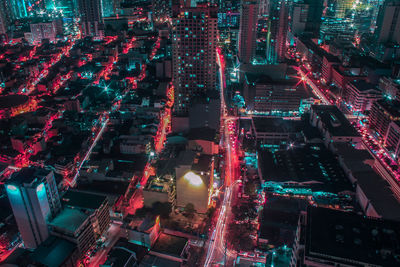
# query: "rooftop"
334 120
69 220
83 200
279 220
53 252
278 125
27 175
348 237
202 163
150 261
312 165
362 85
170 244
204 133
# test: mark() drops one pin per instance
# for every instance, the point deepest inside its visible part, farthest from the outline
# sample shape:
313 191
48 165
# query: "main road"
218 252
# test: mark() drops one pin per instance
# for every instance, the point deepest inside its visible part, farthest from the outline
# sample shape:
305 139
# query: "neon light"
12 188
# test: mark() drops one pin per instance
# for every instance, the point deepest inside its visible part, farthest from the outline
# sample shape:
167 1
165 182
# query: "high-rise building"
342 6
91 18
388 23
248 30
18 9
194 36
280 45
107 7
4 21
263 7
43 30
161 10
306 17
34 199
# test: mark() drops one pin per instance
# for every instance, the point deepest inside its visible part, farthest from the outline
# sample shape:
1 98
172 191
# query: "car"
251 254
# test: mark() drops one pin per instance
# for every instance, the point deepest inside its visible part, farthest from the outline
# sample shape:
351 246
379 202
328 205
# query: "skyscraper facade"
91 17
283 25
306 17
248 30
388 23
194 37
34 199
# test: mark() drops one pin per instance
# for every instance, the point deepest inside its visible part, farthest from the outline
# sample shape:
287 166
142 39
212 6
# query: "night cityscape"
167 133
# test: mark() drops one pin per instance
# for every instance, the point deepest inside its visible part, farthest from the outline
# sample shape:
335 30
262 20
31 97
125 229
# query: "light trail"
99 134
315 88
217 250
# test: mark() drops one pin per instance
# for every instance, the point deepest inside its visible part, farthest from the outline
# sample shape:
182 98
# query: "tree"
189 210
161 208
210 212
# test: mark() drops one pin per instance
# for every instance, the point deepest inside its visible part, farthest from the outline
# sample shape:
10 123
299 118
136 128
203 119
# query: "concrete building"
388 23
247 31
194 180
159 189
56 252
333 125
267 96
204 140
306 17
93 204
382 113
75 226
194 60
361 95
283 26
205 112
327 237
390 87
91 18
43 30
34 199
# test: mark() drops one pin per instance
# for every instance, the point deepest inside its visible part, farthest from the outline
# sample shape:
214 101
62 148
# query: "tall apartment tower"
281 36
91 18
388 22
248 30
34 199
161 10
194 38
306 17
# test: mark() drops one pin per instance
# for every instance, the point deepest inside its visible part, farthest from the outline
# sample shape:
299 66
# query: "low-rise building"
94 204
382 113
159 189
75 226
333 125
194 180
327 237
361 95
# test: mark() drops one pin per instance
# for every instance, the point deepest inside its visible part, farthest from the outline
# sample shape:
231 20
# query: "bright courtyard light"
193 179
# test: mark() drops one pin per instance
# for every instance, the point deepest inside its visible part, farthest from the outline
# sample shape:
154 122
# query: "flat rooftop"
150 261
349 237
53 252
334 120
362 85
27 175
69 220
170 244
83 200
279 219
312 163
277 125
